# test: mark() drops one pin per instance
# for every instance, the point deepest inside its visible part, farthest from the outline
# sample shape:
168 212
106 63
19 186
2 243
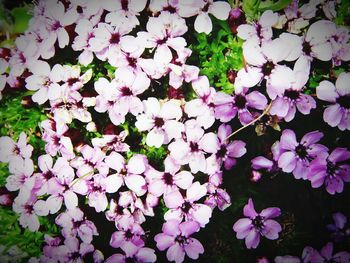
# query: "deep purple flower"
326 255
339 230
176 238
330 170
256 225
296 156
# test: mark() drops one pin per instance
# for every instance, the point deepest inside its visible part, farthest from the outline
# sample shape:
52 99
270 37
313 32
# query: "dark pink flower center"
194 147
331 168
126 91
170 9
47 175
128 234
168 179
132 61
115 38
56 25
344 101
72 81
29 209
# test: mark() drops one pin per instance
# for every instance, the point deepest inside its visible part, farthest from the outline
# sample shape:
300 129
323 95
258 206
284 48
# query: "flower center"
29 209
115 38
301 151
126 91
292 94
267 68
194 147
158 122
331 168
240 101
222 152
170 9
128 234
258 222
344 101
132 61
181 239
186 206
71 81
168 179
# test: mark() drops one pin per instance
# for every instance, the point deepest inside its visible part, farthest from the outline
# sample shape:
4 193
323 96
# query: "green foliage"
12 234
274 6
343 13
14 119
218 53
13 22
3 174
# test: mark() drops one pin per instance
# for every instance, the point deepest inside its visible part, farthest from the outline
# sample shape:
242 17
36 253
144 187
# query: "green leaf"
21 17
250 8
274 6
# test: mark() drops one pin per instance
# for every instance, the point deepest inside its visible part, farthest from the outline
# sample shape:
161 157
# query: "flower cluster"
128 89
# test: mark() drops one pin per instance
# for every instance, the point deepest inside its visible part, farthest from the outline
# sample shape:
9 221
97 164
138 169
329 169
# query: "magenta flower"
176 238
330 170
337 114
256 225
296 156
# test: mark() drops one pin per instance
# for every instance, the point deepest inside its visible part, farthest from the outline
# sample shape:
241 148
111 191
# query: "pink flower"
202 108
186 207
338 113
129 238
91 159
10 149
219 9
257 224
161 120
176 238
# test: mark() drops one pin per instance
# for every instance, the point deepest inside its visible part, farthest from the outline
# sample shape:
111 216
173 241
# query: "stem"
252 122
80 178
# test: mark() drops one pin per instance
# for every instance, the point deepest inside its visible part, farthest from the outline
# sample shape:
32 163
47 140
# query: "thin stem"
252 122
80 178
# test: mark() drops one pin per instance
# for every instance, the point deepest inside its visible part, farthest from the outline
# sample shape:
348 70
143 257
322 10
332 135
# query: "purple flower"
337 114
226 107
330 170
296 156
256 225
141 255
339 229
326 255
176 238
